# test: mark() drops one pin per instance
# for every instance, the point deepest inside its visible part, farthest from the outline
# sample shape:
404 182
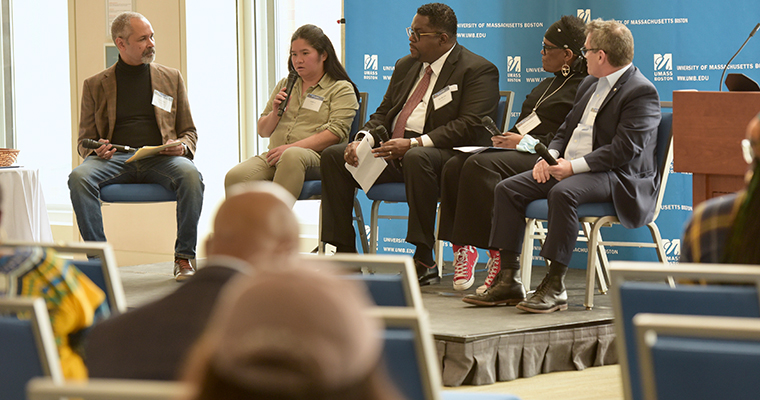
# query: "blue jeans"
177 174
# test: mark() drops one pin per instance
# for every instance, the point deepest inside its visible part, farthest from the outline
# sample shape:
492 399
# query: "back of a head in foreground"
293 334
256 224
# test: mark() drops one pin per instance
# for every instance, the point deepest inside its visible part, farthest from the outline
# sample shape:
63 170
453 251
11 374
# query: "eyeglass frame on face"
544 48
416 35
585 50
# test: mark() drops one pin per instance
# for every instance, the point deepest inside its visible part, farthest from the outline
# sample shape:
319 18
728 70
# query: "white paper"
162 101
370 167
528 124
478 149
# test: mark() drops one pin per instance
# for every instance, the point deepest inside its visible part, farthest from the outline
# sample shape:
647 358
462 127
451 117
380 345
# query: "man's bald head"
255 224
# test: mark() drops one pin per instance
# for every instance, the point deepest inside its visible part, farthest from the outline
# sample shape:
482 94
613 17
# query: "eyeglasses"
545 47
585 50
747 152
416 35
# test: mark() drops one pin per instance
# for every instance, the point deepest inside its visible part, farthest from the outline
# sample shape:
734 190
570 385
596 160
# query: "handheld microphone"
720 87
379 134
544 153
288 88
490 126
92 144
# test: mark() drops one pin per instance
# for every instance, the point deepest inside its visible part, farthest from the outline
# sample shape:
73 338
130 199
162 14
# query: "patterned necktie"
411 104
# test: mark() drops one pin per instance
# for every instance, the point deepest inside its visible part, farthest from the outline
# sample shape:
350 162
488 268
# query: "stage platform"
476 345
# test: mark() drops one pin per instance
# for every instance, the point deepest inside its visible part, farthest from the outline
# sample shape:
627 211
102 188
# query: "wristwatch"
414 142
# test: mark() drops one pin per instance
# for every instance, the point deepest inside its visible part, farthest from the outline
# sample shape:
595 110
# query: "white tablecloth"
24 214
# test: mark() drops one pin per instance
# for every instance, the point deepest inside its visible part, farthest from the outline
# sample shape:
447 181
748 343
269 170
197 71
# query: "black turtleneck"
136 124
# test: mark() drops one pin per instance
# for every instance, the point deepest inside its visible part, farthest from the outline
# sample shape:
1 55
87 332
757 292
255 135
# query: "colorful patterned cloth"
704 240
73 301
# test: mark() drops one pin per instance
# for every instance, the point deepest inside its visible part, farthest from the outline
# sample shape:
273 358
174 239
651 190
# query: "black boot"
426 274
507 289
550 296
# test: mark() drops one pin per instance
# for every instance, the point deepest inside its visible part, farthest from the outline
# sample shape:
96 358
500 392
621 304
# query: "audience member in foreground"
254 229
725 229
293 334
605 152
72 300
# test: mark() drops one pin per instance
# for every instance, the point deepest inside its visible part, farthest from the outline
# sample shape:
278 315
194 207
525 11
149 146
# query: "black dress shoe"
427 275
550 296
507 289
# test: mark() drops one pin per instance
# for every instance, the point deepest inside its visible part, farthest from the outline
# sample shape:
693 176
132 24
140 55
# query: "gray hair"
121 27
614 38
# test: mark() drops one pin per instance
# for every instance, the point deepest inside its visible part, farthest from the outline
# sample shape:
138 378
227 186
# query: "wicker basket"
8 157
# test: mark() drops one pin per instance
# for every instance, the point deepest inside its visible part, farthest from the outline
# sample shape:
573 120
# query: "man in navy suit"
458 89
605 151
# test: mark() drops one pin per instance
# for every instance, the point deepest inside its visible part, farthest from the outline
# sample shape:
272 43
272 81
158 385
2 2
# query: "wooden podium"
708 128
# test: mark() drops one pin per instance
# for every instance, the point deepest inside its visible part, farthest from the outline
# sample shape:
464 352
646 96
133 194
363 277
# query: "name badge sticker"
313 102
528 124
162 101
442 98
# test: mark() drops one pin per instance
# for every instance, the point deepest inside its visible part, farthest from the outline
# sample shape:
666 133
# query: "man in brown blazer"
137 103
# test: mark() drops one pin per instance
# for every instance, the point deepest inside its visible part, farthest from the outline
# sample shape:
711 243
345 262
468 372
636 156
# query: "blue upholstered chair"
27 346
102 270
640 287
411 360
594 216
698 357
136 193
390 279
312 189
505 109
111 389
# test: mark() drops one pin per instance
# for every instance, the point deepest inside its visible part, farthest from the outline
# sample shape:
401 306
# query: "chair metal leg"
359 218
526 256
438 246
657 239
598 265
373 227
593 248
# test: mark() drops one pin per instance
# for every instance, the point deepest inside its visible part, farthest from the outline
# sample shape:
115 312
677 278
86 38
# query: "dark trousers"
421 173
467 193
512 196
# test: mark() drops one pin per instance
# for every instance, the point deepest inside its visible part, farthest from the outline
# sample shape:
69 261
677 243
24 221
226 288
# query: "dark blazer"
152 341
625 137
458 122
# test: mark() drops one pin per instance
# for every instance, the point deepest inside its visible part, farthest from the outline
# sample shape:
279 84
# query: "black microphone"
92 144
490 126
288 88
720 87
544 153
379 134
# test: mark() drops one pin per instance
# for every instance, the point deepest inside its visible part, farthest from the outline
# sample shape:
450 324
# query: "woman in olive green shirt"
319 113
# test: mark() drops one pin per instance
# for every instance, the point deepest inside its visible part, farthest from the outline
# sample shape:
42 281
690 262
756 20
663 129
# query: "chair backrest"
107 389
361 116
507 98
688 357
409 352
27 345
391 279
102 271
639 287
664 156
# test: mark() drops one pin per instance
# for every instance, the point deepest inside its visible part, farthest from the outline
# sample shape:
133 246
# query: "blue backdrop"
679 45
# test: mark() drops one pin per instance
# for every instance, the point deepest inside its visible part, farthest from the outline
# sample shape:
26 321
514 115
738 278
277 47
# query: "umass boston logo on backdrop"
663 67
